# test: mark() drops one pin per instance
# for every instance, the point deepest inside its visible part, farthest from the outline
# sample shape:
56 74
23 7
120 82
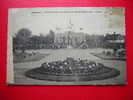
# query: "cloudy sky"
92 20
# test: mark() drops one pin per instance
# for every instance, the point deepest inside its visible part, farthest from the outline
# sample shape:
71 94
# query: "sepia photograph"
66 46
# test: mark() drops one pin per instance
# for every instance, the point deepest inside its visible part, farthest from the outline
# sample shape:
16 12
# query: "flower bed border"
33 73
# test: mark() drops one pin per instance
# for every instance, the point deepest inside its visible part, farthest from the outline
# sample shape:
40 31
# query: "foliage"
22 38
25 40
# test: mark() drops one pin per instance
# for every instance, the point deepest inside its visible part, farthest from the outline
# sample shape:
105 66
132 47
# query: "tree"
14 44
22 38
111 41
51 36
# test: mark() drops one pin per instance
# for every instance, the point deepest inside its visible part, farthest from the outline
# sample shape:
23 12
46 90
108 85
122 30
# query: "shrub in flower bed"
71 69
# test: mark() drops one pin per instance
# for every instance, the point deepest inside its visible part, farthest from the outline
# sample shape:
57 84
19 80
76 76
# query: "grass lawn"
20 58
106 57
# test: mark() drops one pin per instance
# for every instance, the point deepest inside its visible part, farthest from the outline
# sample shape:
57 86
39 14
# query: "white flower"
52 66
90 66
93 65
65 63
61 67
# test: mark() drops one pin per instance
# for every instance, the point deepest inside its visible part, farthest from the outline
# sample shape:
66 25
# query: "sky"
90 20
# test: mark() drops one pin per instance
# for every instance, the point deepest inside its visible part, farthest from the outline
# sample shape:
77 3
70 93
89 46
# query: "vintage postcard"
66 46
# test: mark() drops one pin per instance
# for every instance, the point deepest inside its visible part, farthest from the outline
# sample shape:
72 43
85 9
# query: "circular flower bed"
72 70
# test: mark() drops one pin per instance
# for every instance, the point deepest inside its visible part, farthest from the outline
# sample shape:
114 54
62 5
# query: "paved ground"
61 54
